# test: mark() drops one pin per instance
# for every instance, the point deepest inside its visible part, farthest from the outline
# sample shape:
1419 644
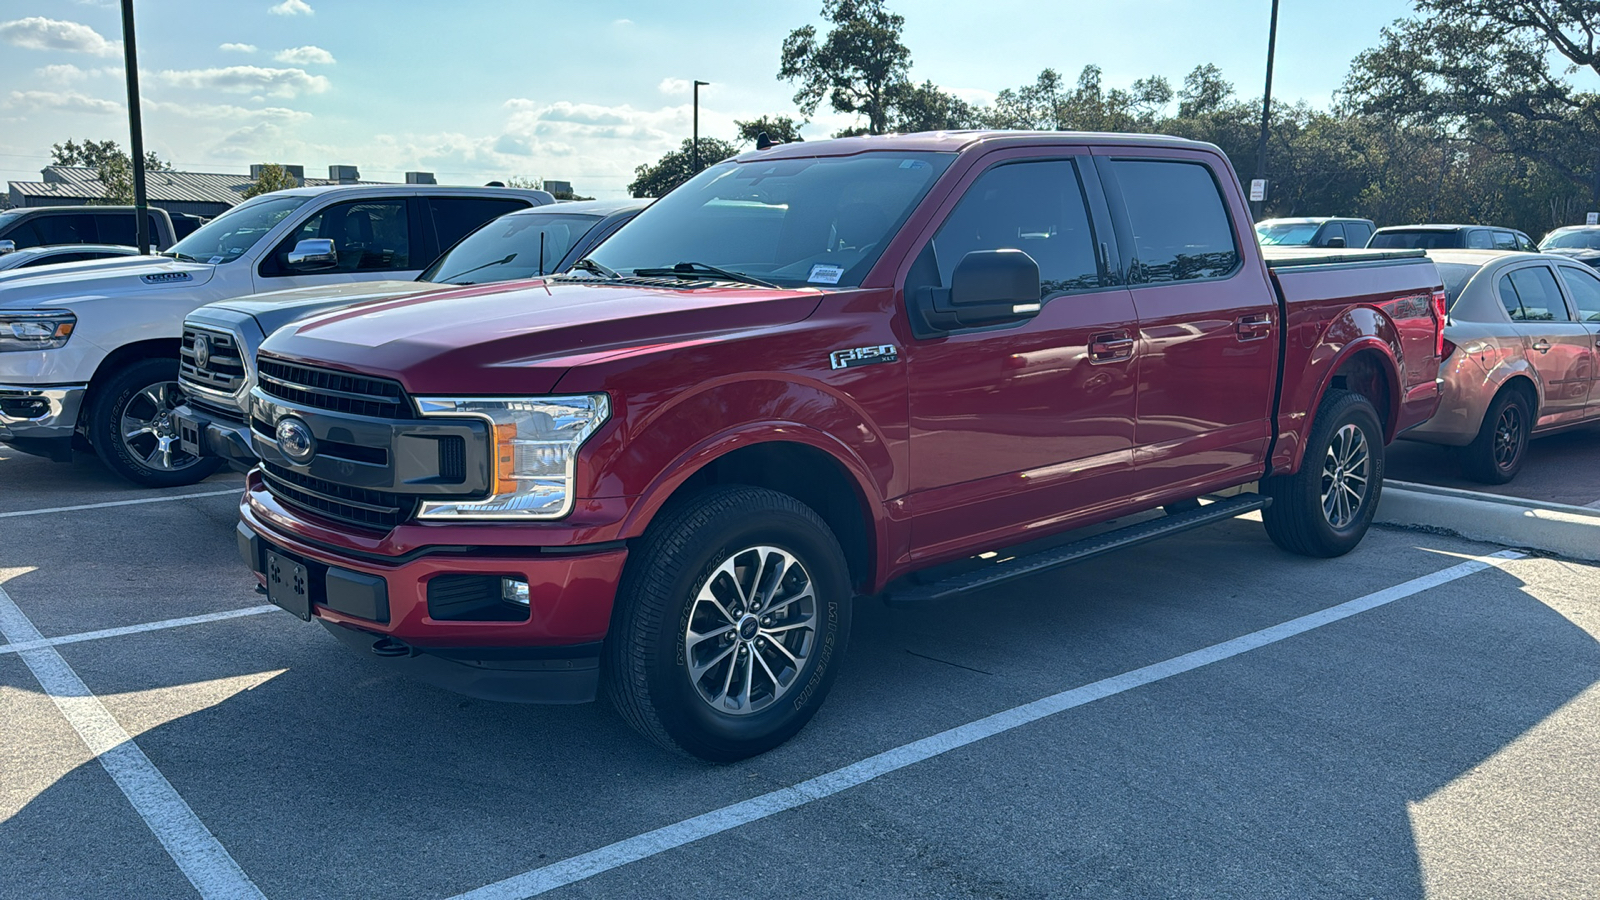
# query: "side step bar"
1105 542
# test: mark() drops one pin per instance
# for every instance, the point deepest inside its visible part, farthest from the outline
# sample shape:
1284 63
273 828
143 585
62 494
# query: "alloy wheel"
150 431
752 627
1346 474
1508 436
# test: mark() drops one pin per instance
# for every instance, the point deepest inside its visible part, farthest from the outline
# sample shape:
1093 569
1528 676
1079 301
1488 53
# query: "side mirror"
313 255
1334 242
988 287
8 246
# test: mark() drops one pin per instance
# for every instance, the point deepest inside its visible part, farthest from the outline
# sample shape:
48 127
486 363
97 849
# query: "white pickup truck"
89 350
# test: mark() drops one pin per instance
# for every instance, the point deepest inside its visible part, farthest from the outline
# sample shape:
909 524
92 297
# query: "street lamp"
1266 112
131 60
697 85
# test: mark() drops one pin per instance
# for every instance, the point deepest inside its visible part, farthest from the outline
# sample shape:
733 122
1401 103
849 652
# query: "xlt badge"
863 356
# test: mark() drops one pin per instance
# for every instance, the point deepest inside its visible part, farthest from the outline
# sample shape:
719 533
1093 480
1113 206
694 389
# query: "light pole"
1266 112
131 61
697 85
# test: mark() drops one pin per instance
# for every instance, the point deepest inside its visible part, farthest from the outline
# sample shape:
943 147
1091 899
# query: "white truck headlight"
535 443
37 330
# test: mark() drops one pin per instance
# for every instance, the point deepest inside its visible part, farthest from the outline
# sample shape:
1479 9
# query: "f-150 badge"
863 356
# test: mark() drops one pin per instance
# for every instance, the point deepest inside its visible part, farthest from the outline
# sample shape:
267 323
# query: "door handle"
1110 346
1250 328
1542 345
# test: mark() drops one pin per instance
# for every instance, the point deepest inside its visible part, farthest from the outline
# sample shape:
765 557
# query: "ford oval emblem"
202 351
295 440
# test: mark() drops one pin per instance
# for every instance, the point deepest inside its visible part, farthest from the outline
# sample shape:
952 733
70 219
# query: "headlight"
44 330
535 445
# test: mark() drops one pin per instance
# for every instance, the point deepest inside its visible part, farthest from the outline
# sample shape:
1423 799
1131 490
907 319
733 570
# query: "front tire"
132 430
1496 455
1325 508
732 619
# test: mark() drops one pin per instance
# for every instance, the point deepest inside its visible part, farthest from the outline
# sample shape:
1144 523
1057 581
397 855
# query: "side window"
117 228
74 229
59 258
1036 207
1181 229
368 235
23 236
1478 239
1505 240
1584 286
1531 295
453 217
1357 234
1526 243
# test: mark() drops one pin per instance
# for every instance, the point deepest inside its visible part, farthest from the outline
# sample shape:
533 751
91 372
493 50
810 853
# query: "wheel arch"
126 355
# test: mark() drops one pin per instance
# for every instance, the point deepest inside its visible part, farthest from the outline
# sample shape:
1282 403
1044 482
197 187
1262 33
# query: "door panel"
1559 349
1013 428
1208 329
1583 288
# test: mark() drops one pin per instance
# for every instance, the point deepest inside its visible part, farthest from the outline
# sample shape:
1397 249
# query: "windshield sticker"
825 274
913 164
215 260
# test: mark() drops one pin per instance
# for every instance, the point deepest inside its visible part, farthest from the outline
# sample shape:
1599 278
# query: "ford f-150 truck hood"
520 337
279 308
56 286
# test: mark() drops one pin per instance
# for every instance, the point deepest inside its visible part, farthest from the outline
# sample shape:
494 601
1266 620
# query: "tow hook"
388 646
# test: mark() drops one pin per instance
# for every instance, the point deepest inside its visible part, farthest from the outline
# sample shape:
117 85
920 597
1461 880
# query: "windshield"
791 222
1287 234
1411 240
232 234
522 245
1571 240
1455 277
6 218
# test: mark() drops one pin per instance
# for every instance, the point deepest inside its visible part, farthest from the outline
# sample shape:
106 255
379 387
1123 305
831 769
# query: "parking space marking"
651 843
164 624
202 859
110 503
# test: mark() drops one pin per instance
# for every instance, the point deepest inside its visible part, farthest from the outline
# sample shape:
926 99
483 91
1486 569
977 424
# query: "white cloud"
65 101
974 96
62 74
39 33
674 86
245 79
237 48
622 22
220 111
292 8
305 56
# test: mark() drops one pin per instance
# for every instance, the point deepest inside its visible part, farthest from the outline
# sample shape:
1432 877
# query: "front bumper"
552 656
41 419
205 434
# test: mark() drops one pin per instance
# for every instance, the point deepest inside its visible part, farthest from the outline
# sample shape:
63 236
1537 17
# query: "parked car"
1447 237
33 257
1576 242
807 372
217 368
42 226
93 346
1320 231
1525 328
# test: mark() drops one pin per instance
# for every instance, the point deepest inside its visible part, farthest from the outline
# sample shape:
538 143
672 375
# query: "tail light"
1440 301
1449 348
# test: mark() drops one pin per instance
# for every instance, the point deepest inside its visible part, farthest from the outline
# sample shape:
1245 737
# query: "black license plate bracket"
289 584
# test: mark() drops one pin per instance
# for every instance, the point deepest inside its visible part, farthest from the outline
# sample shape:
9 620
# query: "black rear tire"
676 564
145 390
1307 515
1496 455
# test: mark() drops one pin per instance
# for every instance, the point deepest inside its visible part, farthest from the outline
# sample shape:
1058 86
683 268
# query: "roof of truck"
953 141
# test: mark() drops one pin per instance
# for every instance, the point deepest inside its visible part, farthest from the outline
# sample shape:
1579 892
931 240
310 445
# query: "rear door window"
1531 295
453 218
1505 240
117 228
1584 286
1357 233
1181 229
78 228
1479 239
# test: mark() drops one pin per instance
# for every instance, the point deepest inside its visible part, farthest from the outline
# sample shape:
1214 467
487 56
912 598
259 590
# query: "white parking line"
576 868
204 861
60 509
164 624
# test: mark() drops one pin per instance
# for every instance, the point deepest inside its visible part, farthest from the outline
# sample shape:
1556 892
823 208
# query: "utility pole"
697 85
1266 113
130 59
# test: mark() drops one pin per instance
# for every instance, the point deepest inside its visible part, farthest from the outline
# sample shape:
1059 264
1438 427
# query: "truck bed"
1286 257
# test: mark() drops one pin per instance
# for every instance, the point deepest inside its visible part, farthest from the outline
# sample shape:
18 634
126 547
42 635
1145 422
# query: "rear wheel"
1495 456
133 431
1325 508
732 619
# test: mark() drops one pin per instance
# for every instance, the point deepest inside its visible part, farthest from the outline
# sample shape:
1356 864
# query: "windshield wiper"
691 269
180 257
494 262
594 268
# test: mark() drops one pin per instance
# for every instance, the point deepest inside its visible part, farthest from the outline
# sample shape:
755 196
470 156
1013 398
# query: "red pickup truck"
807 373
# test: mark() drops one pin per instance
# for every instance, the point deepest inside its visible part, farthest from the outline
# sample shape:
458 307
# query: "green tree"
856 67
673 169
1204 92
924 107
782 129
111 163
272 177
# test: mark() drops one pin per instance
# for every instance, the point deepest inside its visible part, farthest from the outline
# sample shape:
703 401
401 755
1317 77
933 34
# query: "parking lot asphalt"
1201 716
1561 468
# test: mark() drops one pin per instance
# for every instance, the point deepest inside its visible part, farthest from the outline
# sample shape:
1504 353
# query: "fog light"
514 590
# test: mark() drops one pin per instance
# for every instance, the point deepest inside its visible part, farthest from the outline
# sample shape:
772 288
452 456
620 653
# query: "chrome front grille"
358 395
220 368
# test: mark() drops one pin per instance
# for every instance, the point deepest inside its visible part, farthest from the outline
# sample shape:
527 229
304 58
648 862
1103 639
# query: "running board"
1105 542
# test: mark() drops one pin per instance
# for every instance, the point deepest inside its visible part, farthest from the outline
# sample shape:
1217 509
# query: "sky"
581 92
